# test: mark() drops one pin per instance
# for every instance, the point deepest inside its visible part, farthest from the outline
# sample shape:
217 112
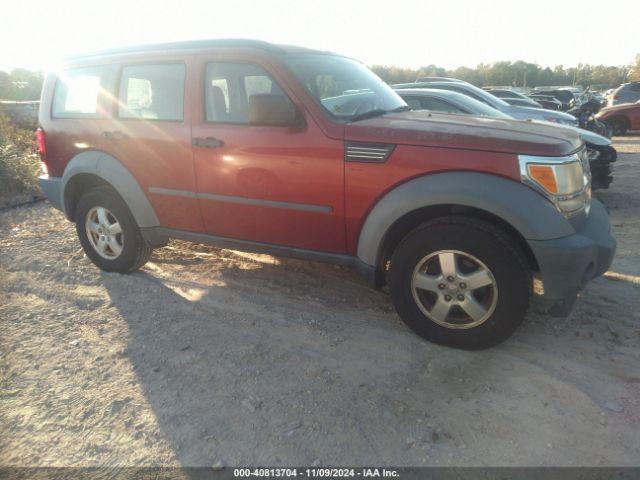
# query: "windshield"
508 94
471 91
485 97
476 107
345 88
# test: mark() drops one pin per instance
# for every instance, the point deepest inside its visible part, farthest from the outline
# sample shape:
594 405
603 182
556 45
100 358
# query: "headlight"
565 181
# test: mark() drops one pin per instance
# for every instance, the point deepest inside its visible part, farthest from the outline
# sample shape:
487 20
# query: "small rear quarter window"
77 92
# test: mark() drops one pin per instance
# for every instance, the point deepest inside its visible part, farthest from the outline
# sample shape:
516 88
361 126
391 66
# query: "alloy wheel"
454 289
104 233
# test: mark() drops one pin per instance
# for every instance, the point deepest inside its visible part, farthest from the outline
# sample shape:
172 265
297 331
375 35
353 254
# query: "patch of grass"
19 161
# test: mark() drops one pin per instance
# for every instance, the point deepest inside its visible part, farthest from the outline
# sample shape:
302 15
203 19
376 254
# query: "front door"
270 184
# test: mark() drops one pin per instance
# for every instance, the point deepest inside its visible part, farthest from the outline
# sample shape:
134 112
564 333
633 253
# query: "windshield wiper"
376 112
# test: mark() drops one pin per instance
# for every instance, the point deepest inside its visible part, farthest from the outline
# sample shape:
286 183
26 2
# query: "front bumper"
52 189
567 264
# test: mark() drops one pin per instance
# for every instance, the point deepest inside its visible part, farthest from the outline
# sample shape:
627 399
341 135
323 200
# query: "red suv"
308 154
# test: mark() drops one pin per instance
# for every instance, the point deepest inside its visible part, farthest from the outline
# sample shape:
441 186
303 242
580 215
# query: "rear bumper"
52 189
567 264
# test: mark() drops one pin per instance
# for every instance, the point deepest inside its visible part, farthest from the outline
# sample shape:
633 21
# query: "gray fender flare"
520 206
113 172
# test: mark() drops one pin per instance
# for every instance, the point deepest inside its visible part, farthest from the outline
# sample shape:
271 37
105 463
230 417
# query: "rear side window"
152 92
463 91
438 105
77 92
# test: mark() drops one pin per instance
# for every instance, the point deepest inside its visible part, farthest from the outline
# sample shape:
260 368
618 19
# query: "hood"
529 113
587 135
591 137
619 108
468 132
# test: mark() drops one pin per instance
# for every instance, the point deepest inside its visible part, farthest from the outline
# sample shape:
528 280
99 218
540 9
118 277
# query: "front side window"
344 87
152 92
231 89
77 92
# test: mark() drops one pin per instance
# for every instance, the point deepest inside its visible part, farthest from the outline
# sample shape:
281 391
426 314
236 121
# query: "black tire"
496 250
135 250
619 125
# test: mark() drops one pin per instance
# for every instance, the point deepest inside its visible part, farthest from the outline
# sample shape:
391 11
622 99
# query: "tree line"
520 74
20 84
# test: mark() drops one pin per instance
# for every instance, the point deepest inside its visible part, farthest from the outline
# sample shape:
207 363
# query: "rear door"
151 135
271 184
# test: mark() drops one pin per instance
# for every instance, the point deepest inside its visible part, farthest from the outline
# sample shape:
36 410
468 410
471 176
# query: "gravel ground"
210 357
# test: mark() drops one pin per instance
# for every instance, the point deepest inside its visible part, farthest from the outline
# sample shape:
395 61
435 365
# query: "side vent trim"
367 152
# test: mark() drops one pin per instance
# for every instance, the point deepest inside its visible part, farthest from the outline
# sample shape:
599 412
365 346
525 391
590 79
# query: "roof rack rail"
189 44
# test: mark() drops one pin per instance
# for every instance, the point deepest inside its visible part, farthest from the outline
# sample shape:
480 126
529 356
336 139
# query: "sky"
37 34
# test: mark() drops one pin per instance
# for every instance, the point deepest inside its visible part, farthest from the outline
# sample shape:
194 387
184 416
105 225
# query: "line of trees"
520 74
20 84
23 84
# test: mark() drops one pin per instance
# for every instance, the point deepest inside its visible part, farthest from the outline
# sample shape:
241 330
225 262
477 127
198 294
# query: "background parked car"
585 113
437 79
513 98
447 101
517 112
601 153
621 118
598 97
547 101
625 93
566 97
518 102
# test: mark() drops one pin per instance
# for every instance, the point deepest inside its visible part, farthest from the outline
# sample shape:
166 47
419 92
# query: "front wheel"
460 282
108 232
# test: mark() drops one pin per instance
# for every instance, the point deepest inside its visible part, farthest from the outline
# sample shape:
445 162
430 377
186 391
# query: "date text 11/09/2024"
316 472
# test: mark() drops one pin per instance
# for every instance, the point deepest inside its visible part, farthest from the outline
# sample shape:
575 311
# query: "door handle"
115 135
209 142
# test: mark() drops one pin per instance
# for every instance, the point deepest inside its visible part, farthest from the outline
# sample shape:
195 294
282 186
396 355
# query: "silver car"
517 112
625 93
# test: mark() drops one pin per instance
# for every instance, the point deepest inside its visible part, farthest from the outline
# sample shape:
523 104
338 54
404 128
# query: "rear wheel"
108 232
460 282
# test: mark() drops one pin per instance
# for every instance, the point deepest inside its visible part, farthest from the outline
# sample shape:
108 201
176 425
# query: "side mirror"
274 110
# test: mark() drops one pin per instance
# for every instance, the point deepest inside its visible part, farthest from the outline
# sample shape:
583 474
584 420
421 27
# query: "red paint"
629 111
284 164
42 145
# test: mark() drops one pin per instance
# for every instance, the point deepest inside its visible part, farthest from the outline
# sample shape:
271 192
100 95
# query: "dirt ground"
214 357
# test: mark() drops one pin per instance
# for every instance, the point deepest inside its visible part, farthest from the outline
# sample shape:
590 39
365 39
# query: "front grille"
367 152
